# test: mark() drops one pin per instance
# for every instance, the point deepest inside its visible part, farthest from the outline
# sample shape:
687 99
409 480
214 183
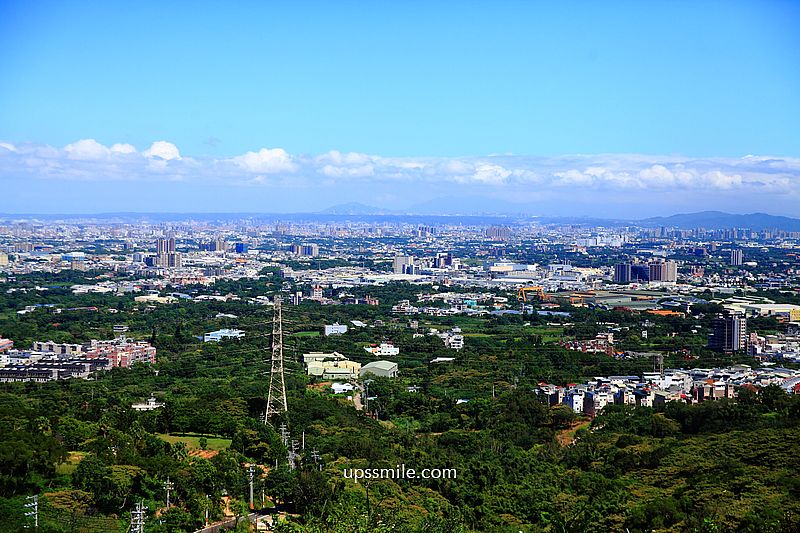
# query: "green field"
192 441
306 334
547 333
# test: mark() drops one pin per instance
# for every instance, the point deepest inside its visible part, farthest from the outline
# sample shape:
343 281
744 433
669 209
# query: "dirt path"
565 437
357 398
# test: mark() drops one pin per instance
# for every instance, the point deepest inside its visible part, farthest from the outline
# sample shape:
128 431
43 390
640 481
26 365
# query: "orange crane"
522 293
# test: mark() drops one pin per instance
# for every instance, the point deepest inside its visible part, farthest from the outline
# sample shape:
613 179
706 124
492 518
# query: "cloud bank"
602 177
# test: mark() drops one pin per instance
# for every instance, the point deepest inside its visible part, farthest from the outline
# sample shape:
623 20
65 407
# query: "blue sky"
422 96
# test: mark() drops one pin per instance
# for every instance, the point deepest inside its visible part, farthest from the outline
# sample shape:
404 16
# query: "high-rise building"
165 245
310 250
728 333
640 272
622 273
166 256
666 271
305 250
403 264
443 260
3 259
498 233
316 292
737 257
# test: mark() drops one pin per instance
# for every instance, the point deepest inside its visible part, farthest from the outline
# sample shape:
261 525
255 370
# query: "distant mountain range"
355 208
720 220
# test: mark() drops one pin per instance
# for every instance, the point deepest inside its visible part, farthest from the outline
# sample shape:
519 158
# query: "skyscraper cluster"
656 270
166 256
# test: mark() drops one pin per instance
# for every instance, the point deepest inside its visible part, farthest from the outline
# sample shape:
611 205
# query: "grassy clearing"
565 437
68 467
306 334
192 441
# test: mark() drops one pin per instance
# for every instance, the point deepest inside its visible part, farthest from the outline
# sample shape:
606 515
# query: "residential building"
403 264
122 351
5 344
340 388
728 333
305 250
622 273
665 271
383 349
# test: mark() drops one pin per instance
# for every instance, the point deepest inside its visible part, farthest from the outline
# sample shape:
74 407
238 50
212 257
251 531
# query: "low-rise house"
383 349
340 388
220 334
335 329
337 369
5 344
322 356
149 405
386 369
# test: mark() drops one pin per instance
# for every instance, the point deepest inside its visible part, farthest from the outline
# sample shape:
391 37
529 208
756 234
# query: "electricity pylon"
276 399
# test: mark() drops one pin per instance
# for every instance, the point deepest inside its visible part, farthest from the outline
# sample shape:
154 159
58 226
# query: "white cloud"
124 148
455 166
86 149
602 176
719 180
342 171
163 150
350 158
490 174
266 160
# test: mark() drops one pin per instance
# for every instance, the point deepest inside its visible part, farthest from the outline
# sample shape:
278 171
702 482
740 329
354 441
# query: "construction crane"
522 293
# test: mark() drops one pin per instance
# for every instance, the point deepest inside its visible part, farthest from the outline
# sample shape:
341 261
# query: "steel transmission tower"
276 399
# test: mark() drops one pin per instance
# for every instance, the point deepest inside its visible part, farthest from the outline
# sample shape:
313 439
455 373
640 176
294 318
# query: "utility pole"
369 510
32 503
293 454
168 486
251 473
208 504
276 399
284 434
366 395
317 458
137 518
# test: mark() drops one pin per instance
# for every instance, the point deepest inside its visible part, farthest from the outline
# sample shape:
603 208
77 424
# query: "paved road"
357 397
